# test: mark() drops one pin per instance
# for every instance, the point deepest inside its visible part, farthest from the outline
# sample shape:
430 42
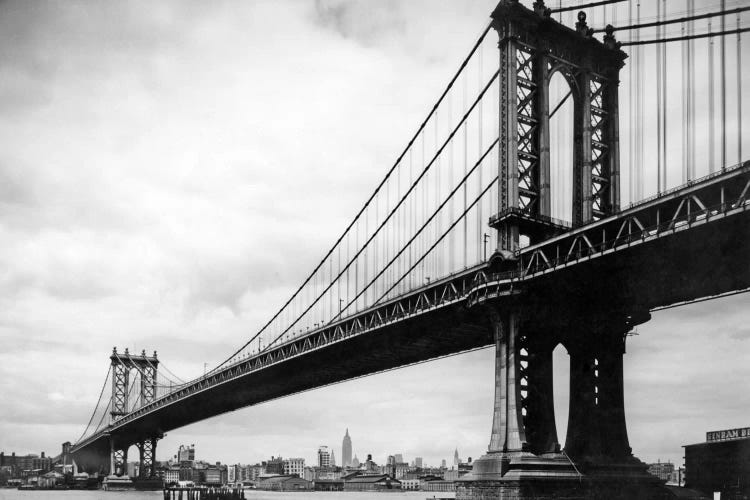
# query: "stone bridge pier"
118 465
524 459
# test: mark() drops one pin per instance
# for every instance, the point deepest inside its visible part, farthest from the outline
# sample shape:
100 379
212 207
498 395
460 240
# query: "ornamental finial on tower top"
609 37
581 26
539 7
154 353
114 350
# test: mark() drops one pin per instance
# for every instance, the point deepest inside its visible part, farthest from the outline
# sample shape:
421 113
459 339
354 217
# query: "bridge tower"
524 458
122 367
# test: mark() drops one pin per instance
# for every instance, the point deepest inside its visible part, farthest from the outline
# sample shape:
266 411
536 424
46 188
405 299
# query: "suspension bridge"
552 195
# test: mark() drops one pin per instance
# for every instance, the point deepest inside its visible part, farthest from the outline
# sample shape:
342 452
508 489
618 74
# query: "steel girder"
715 196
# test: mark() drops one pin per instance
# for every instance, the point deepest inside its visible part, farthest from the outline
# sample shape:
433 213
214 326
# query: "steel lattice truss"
528 126
600 140
122 365
120 387
148 450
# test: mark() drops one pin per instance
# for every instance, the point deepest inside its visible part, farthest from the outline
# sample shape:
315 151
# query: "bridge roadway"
686 244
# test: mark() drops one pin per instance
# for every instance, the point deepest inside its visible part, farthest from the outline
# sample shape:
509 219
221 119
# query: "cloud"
360 20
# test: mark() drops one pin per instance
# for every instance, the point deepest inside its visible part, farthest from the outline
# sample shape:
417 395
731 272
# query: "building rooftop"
372 479
280 479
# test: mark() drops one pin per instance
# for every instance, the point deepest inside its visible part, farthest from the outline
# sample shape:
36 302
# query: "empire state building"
346 450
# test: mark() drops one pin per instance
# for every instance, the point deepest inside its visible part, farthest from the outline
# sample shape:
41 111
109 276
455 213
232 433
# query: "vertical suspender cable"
436 258
723 90
659 98
711 77
664 101
377 242
368 255
640 111
739 92
480 182
466 167
414 208
684 95
451 177
348 259
389 239
691 94
424 190
401 222
356 267
631 106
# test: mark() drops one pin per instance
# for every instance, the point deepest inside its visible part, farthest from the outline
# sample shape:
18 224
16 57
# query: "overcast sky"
170 170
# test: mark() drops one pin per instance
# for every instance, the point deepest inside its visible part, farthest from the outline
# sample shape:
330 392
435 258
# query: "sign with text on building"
728 435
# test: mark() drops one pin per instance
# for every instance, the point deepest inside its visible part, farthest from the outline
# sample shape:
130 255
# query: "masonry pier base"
525 476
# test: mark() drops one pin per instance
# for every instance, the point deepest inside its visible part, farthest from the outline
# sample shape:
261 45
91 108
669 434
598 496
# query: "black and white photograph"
428 249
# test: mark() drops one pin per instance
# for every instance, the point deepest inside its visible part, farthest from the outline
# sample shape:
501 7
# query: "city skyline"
165 176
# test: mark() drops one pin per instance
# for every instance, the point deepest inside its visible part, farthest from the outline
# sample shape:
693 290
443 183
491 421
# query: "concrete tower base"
525 476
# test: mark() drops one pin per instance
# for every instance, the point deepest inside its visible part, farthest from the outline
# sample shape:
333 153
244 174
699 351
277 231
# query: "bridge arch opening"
561 390
561 142
134 456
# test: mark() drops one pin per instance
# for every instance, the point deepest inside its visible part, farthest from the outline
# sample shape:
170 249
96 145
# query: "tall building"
662 470
333 459
418 462
456 460
324 457
186 453
294 466
355 461
399 458
275 465
346 450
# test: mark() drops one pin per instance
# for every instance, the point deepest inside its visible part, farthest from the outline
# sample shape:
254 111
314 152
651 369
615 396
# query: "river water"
6 494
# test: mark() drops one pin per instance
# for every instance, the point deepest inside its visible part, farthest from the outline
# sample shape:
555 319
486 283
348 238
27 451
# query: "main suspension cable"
401 201
99 400
431 218
462 216
688 37
372 196
676 20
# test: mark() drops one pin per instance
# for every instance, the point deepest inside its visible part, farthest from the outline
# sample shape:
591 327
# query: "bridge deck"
690 243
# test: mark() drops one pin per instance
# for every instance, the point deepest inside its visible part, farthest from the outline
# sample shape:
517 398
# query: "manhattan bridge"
582 168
